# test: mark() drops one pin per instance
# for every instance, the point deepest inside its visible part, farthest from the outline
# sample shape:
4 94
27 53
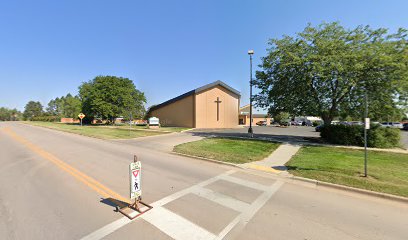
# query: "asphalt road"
56 185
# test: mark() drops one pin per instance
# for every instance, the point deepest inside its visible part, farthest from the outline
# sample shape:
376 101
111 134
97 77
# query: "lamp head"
250 52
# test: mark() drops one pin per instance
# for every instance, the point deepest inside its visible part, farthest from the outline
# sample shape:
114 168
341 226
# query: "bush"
282 117
377 136
46 118
315 124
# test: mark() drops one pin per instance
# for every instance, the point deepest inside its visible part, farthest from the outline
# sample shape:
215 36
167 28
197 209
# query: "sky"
48 48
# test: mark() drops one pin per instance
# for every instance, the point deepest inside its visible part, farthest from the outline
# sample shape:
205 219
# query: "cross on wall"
218 108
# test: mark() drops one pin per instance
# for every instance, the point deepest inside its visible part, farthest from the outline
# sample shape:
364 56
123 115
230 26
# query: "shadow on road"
114 203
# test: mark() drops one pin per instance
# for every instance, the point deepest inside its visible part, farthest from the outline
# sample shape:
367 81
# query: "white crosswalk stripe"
180 228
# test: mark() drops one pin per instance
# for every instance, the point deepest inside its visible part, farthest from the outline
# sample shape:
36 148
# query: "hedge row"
46 118
377 136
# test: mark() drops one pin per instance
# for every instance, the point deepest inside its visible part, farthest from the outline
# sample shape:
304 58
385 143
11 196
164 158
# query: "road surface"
56 185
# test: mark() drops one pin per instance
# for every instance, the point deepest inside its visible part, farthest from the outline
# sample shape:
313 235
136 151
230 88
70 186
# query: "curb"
262 168
351 189
208 160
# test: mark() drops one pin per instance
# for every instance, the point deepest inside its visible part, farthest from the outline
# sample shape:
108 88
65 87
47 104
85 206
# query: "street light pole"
250 131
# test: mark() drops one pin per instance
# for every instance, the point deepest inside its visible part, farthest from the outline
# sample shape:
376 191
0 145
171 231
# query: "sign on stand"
135 171
135 175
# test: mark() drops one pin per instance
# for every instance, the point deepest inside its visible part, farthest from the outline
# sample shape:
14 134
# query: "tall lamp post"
250 131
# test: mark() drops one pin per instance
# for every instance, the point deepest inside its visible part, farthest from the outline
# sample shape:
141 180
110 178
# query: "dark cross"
218 108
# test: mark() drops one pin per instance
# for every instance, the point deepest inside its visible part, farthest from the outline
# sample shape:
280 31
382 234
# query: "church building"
215 105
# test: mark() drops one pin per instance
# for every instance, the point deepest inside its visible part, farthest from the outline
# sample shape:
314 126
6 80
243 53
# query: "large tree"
326 71
110 97
32 109
68 106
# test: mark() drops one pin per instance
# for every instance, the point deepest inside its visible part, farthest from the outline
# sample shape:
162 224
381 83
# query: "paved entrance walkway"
277 160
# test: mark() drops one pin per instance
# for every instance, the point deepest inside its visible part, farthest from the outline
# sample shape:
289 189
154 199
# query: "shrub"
46 118
282 117
377 136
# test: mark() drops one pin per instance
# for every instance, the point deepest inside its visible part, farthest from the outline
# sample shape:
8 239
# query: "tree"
54 107
72 106
327 70
110 97
68 106
7 114
282 117
32 109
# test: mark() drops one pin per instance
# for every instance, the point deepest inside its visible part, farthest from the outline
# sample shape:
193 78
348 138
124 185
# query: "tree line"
104 97
7 114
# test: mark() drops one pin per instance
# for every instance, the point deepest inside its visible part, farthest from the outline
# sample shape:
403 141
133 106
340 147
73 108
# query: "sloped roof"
197 90
255 110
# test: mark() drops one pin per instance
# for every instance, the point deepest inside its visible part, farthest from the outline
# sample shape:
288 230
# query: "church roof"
197 90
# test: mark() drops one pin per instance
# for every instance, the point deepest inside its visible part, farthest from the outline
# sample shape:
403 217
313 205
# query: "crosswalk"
178 227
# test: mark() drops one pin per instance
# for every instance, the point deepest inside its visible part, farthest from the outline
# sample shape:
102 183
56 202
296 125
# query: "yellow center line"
82 177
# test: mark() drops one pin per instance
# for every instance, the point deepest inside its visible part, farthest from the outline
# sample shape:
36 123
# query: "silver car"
392 124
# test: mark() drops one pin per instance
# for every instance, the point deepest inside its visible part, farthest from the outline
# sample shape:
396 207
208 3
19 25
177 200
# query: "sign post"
135 176
81 115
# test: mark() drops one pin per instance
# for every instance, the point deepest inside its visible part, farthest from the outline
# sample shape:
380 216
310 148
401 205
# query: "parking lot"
287 134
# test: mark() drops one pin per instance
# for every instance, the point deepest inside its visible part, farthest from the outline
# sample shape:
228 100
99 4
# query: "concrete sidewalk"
276 161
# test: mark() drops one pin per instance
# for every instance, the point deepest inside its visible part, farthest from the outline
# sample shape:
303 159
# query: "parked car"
392 124
296 123
261 123
405 126
356 123
318 128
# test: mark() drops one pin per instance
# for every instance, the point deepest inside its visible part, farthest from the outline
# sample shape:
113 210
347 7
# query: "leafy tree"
110 97
282 117
326 71
72 106
32 109
7 114
54 107
68 106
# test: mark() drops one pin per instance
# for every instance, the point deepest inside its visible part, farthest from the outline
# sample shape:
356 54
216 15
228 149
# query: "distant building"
214 105
257 116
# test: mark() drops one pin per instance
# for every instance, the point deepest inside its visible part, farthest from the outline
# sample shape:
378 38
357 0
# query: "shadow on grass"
296 168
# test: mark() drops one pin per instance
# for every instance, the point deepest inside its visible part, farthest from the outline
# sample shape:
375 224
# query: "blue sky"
48 48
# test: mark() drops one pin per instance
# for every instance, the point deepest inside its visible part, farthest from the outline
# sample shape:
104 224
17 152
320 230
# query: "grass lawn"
387 172
228 150
101 131
161 129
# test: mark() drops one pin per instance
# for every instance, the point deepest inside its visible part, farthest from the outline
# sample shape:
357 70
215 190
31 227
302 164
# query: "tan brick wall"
179 113
206 108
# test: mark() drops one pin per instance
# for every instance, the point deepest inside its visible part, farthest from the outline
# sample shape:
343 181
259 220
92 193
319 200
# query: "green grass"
228 150
387 172
161 129
99 131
